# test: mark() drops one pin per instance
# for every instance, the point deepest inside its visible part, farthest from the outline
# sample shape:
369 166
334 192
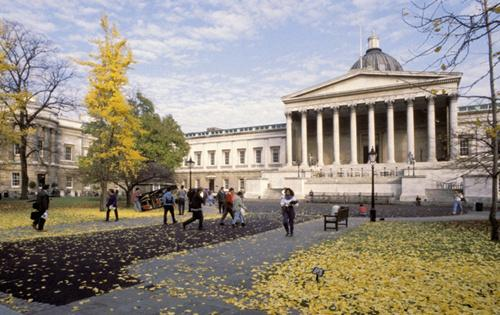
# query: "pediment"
363 81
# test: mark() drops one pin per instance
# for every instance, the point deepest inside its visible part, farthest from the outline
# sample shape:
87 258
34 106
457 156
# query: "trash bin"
478 206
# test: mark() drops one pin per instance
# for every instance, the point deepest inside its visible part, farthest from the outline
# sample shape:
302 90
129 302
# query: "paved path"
196 277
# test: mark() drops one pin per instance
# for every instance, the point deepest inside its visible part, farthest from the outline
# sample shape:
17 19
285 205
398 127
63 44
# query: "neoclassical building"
406 116
55 147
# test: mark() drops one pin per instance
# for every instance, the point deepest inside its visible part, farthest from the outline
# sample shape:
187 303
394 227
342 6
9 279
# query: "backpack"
169 199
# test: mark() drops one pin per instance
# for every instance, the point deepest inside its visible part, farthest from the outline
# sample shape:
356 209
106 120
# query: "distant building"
55 147
331 127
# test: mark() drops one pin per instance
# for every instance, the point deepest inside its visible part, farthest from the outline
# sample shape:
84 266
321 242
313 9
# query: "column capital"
453 95
409 100
390 103
430 98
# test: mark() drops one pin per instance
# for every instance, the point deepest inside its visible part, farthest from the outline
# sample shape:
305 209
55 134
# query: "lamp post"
190 163
372 156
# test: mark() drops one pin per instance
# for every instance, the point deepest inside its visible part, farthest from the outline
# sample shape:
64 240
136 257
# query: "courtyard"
432 263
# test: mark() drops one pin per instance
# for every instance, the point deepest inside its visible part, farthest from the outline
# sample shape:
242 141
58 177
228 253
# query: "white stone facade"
57 145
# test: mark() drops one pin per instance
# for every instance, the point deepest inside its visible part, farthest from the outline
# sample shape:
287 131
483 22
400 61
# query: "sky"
227 63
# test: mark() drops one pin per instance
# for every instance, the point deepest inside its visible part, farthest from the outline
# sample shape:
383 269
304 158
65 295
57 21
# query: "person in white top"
288 203
457 204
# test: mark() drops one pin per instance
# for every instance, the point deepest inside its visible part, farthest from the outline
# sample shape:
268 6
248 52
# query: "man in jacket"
196 202
168 201
228 206
221 199
42 199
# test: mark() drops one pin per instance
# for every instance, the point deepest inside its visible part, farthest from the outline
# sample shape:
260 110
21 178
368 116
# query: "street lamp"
190 163
372 156
411 161
297 162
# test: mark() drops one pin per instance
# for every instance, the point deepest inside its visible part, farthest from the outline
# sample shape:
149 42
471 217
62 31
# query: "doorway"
211 184
41 180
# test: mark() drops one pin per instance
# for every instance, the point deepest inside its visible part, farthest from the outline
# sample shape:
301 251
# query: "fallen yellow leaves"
386 268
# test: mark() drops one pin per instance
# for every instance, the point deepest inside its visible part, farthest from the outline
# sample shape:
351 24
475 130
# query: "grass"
67 210
387 268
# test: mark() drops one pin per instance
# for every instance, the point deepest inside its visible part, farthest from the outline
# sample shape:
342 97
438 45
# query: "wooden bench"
342 215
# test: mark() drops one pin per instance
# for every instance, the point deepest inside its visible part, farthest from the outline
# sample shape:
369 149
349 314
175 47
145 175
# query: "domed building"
375 59
409 118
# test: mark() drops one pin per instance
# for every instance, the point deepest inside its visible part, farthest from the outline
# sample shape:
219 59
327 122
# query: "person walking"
288 202
42 201
239 208
221 195
168 201
228 205
136 198
181 200
111 204
196 203
457 204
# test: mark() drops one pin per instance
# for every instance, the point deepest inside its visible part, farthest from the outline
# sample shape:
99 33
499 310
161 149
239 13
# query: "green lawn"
65 210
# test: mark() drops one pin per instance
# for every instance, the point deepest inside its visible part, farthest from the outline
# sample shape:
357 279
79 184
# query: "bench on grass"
340 216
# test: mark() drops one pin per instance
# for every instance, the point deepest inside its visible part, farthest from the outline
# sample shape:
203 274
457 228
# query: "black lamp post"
372 156
190 163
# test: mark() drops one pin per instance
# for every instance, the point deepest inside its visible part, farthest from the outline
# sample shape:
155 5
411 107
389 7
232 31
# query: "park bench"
341 215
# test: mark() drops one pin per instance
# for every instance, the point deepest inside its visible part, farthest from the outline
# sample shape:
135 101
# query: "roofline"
352 73
236 131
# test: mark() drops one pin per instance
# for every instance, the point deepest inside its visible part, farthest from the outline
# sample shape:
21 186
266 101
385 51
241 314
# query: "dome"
376 59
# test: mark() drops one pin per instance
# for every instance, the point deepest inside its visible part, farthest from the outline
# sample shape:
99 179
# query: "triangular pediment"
363 81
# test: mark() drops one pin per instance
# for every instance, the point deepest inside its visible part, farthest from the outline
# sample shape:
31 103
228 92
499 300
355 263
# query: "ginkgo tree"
113 123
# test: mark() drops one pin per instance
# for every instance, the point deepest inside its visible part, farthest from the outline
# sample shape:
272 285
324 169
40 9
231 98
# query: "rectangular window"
226 157
225 183
68 153
40 148
241 154
17 149
196 183
211 155
197 158
242 184
275 151
16 180
258 156
69 181
464 146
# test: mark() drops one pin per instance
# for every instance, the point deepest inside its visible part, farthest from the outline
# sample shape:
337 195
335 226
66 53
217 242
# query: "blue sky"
226 63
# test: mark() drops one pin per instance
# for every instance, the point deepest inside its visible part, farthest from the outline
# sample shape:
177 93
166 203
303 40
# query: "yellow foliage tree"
113 124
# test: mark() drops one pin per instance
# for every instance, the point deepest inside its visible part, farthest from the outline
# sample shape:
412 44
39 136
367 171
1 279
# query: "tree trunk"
24 167
494 138
102 202
129 196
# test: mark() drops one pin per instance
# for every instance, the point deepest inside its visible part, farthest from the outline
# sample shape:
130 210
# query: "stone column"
371 126
453 136
390 132
354 136
319 133
303 136
431 130
289 127
410 127
336 136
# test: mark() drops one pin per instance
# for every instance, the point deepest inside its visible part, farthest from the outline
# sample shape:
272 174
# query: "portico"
375 105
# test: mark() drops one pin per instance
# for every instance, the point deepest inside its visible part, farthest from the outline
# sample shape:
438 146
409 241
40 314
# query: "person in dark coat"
196 202
288 202
42 200
111 204
221 199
